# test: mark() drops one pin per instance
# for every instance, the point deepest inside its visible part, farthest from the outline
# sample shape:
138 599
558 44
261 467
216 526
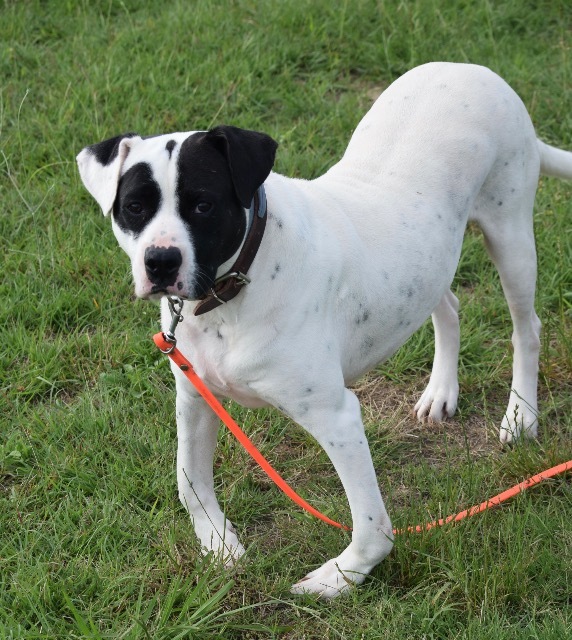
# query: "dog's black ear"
250 156
105 152
100 167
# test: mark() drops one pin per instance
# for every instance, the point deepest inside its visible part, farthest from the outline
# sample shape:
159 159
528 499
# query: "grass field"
93 540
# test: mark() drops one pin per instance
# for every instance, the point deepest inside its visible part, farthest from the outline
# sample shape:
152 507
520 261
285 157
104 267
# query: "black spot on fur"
364 317
170 146
366 345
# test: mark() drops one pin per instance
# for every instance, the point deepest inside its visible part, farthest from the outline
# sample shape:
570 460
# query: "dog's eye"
135 208
203 207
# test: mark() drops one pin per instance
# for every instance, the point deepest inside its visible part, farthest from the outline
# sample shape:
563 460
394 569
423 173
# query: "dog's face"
178 201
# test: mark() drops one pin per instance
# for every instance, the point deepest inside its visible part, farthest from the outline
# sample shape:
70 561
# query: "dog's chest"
219 357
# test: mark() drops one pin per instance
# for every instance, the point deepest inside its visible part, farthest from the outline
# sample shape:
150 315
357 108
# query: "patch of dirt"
389 406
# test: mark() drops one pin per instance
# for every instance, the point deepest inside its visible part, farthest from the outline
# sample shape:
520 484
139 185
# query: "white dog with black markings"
341 271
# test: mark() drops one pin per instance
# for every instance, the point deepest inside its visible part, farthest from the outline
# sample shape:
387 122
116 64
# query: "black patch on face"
105 152
138 199
170 146
209 207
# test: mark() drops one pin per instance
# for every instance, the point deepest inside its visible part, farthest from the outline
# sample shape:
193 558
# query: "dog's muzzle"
162 265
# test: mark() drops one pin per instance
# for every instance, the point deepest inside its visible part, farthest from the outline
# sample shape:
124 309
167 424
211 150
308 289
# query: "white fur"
351 264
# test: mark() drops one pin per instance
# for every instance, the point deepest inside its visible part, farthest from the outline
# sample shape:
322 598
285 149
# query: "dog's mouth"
156 292
159 291
193 288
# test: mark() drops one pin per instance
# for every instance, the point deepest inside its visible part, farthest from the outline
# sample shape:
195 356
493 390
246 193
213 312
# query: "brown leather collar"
229 285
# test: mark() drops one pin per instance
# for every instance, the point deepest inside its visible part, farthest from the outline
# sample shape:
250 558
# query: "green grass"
93 541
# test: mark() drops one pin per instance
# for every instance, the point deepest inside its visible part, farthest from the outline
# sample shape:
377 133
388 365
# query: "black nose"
162 265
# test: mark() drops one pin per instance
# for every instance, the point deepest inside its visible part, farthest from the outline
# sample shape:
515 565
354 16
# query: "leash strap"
492 502
166 342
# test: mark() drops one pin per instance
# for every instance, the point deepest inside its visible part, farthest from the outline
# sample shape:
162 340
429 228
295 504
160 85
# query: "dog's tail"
555 162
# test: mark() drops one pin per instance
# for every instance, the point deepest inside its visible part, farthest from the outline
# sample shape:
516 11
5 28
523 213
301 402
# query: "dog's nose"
162 265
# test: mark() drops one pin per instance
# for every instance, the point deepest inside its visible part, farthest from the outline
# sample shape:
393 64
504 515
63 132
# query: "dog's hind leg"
334 419
439 400
512 249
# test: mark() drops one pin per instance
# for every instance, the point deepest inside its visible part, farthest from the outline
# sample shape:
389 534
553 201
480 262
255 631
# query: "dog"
298 298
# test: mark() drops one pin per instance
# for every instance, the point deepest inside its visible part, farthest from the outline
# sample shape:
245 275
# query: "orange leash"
167 344
493 502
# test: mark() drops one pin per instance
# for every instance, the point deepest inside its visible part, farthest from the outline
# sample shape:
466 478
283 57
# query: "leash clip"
176 309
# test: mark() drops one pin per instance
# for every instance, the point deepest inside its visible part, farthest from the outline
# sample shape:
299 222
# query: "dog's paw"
329 581
223 543
339 575
518 423
438 402
230 554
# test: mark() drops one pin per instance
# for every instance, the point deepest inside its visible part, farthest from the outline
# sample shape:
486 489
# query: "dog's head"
179 202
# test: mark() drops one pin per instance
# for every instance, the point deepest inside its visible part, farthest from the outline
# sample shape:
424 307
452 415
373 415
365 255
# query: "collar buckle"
241 278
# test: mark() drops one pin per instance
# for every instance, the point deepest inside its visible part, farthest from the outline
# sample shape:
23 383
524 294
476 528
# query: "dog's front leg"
197 428
335 421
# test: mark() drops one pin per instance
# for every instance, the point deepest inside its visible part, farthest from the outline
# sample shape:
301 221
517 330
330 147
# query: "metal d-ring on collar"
240 278
229 285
